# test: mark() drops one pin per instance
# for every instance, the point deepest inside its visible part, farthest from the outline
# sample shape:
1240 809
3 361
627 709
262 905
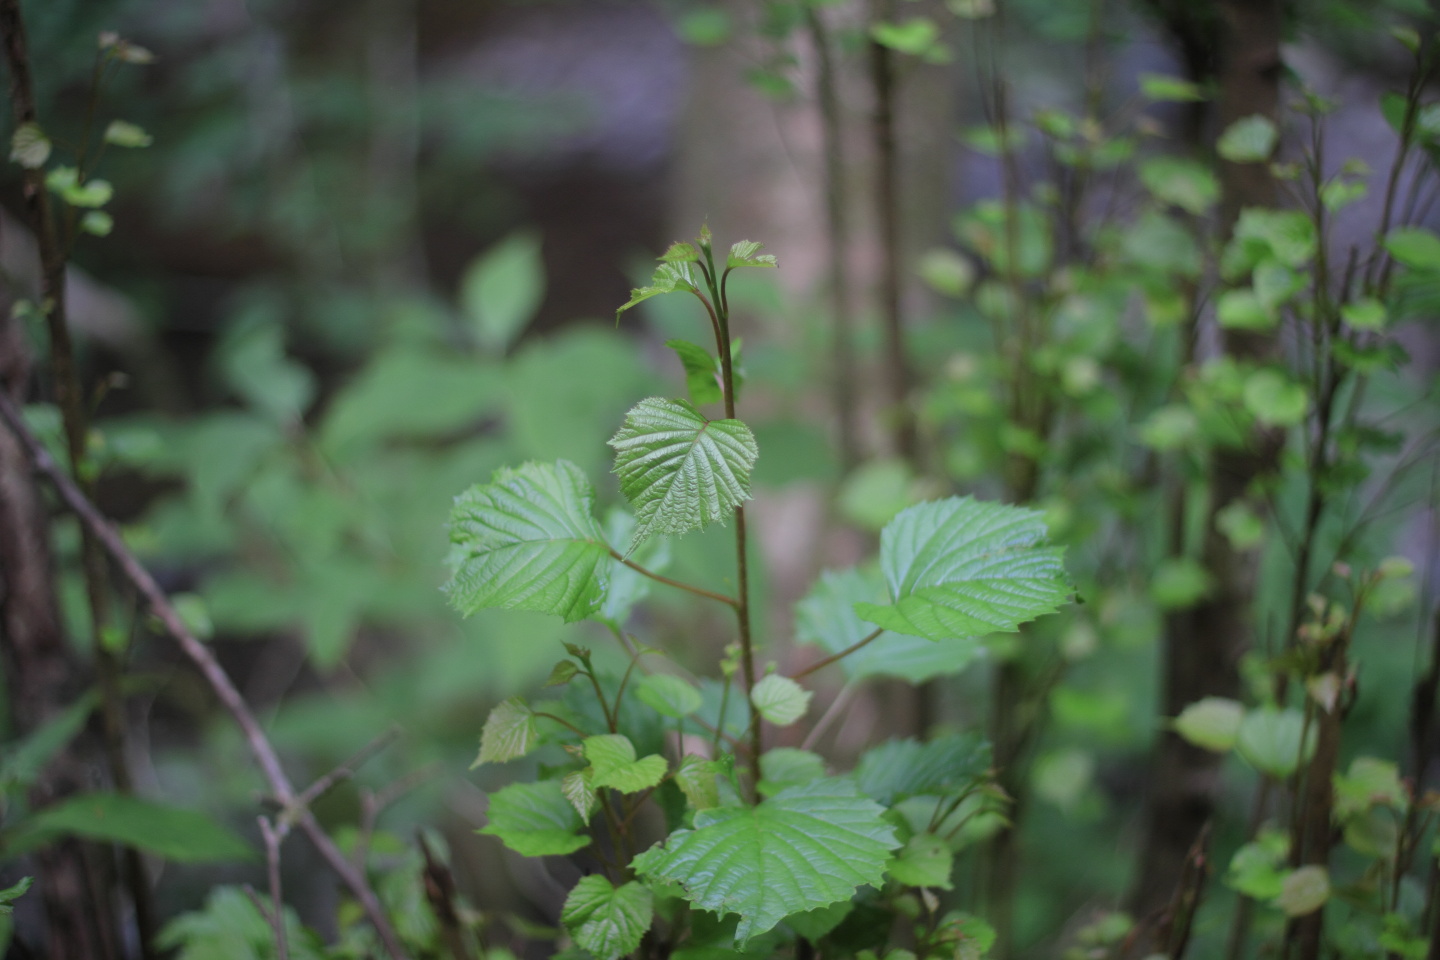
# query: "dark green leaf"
805 848
899 769
701 371
502 288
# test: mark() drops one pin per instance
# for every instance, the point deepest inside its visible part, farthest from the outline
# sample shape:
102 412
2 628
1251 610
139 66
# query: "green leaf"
65 181
704 26
680 252
122 134
780 700
97 223
1248 140
668 695
959 568
1270 740
696 779
784 767
509 731
826 617
230 927
1185 183
613 764
876 491
915 36
562 673
805 848
184 836
926 861
29 146
946 271
24 761
1154 86
1179 582
1255 869
1366 313
1368 782
899 769
746 253
701 371
1415 247
1212 723
678 470
535 819
14 892
1286 236
1304 891
578 789
605 920
1240 524
668 278
1243 310
527 541
1274 399
502 288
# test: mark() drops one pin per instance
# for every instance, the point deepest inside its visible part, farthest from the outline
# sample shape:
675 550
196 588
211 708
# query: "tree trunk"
1203 644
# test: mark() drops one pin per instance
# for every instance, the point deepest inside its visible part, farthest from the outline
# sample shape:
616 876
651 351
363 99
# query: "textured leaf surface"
746 253
509 732
802 849
679 470
528 541
580 792
898 769
535 819
959 568
827 618
670 277
780 700
608 921
613 764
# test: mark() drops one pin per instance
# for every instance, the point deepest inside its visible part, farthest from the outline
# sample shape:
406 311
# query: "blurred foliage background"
374 251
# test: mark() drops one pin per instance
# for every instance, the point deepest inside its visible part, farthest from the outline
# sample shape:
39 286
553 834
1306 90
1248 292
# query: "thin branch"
204 660
820 665
658 578
273 835
345 771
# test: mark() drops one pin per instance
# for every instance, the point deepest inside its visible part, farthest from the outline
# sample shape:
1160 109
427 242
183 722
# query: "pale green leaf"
1154 86
680 251
806 848
509 732
29 147
784 767
1212 723
97 223
701 371
1269 739
696 779
914 36
535 819
1243 310
502 288
679 470
608 921
926 861
1250 139
746 253
959 568
184 836
613 764
65 181
578 789
668 278
121 133
1304 891
527 541
1364 314
1256 868
668 695
826 617
780 700
1179 582
946 271
1274 399
1186 183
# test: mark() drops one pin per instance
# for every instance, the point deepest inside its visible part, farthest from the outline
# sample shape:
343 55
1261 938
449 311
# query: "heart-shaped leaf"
605 920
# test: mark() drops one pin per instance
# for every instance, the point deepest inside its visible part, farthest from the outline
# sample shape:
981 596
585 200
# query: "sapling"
779 847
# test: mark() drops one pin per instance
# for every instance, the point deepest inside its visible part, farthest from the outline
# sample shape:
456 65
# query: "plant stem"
204 660
688 588
742 600
834 657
